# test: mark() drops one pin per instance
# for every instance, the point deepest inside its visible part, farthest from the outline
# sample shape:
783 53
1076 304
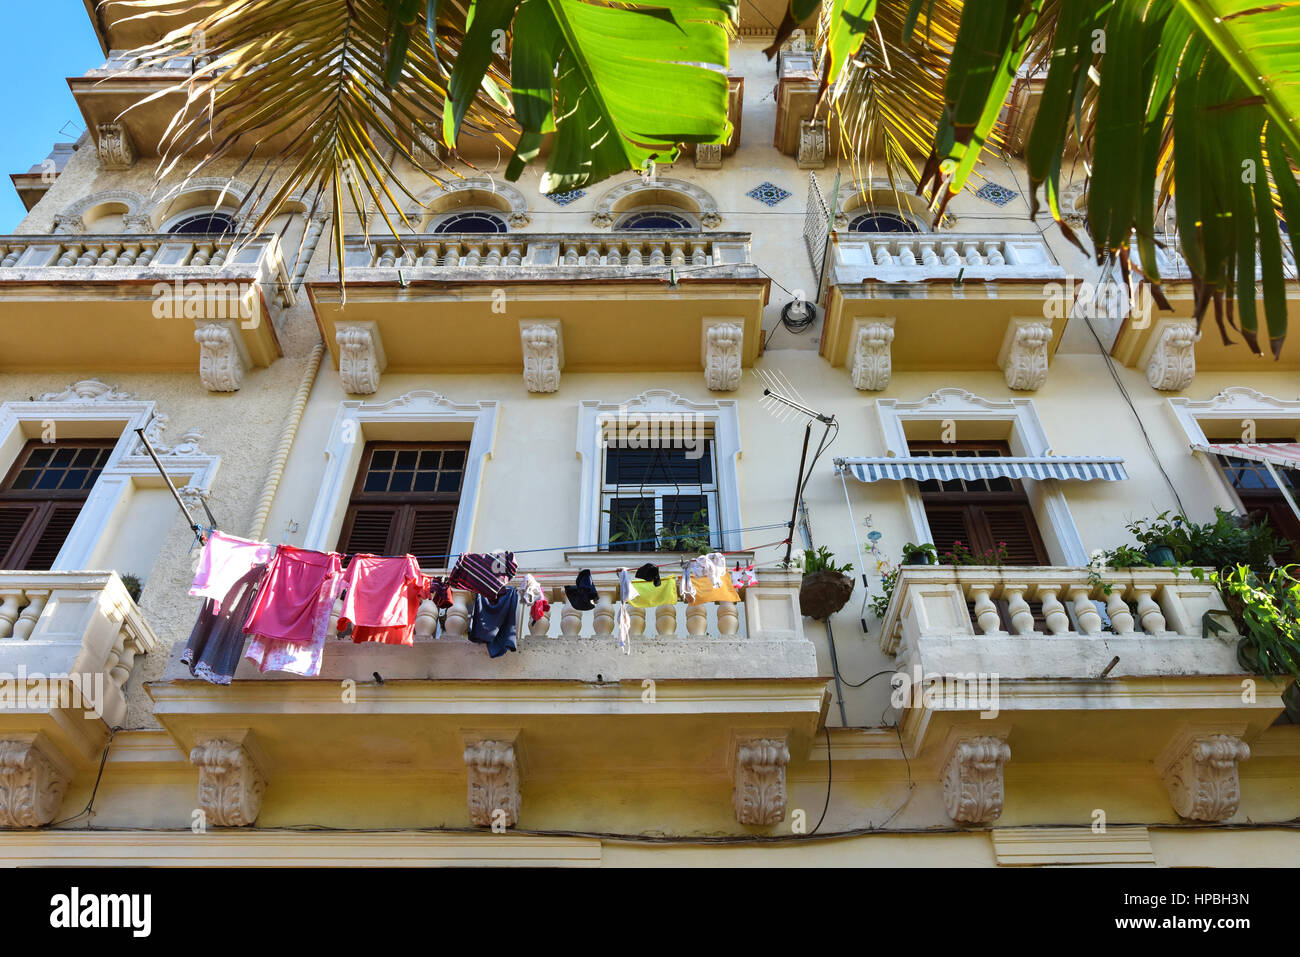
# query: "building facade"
581 379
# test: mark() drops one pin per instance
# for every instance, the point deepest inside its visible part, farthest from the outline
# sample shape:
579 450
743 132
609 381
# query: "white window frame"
127 468
708 491
660 404
1027 438
347 441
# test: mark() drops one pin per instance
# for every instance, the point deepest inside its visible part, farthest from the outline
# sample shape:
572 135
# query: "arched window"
472 221
206 223
878 222
656 219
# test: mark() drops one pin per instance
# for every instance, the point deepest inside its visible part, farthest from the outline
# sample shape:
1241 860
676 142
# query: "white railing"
918 257
558 251
80 624
1172 264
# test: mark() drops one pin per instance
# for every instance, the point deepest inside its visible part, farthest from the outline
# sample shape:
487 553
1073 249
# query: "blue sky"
41 45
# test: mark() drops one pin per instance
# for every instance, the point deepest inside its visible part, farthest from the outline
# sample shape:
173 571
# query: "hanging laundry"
649 595
493 622
483 574
705 592
217 639
535 599
291 616
582 594
383 598
712 566
743 577
440 592
226 559
649 572
626 592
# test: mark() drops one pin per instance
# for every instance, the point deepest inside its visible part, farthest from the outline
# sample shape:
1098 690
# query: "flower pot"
824 593
1160 555
918 558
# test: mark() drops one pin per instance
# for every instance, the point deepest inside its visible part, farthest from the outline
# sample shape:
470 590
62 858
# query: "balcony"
942 301
693 682
1035 657
546 303
180 301
68 644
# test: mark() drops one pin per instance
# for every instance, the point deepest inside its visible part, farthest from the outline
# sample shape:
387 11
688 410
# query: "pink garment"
383 598
226 559
291 617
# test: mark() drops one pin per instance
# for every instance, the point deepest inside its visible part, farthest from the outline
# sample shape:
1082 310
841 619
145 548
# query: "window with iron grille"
660 499
42 496
405 500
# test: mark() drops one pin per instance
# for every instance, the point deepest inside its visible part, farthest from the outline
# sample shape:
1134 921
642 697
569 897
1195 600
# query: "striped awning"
1283 454
971 468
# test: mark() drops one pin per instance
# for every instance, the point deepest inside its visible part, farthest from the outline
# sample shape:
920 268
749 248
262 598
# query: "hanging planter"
826 588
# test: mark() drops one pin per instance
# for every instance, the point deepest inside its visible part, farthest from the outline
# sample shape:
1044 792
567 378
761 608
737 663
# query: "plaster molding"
708 156
116 151
87 391
721 344
361 356
872 340
759 796
222 361
1023 355
1200 772
972 779
230 783
1170 358
33 783
624 197
135 203
543 346
812 144
509 200
493 783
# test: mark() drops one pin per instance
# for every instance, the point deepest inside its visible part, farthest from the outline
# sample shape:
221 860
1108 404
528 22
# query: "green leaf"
486 18
849 22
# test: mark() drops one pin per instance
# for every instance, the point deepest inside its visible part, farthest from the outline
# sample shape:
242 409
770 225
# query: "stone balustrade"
78 627
157 251
548 251
1173 265
920 257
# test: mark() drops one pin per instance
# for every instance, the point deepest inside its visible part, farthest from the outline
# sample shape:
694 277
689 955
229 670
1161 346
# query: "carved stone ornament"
722 355
972 779
221 367
542 355
87 390
1201 776
1172 364
872 362
230 784
1023 357
32 785
493 783
812 144
361 357
759 795
708 156
115 149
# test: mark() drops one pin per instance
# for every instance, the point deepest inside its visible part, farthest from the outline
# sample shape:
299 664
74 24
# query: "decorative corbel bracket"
1170 355
972 779
759 796
1023 356
542 341
361 356
116 152
223 355
1199 769
34 779
871 343
492 769
231 783
812 144
722 342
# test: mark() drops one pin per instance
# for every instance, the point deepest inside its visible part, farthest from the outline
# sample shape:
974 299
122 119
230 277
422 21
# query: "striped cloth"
484 574
947 468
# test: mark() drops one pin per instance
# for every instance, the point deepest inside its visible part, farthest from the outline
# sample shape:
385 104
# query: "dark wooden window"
404 501
982 513
42 496
1264 501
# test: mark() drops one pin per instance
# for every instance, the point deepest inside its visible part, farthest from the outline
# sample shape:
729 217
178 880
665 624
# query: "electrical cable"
827 804
103 759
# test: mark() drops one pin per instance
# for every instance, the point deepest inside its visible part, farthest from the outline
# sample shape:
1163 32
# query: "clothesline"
615 571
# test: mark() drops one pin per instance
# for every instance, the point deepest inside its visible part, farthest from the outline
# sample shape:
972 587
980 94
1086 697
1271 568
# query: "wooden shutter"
31 533
948 524
368 529
14 521
1014 525
430 538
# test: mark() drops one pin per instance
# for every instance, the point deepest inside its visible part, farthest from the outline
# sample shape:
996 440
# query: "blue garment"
494 622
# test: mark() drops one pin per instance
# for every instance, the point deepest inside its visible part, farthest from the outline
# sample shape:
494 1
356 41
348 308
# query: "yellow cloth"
650 595
705 593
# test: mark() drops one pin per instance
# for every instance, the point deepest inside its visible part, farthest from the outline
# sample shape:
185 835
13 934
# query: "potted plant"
826 588
914 554
1228 540
133 585
962 554
692 535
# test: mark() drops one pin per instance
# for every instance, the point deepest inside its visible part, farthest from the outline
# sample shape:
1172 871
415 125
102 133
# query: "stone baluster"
428 255
592 258
1018 610
10 602
602 617
542 626
1058 622
697 620
109 255
1120 615
972 255
473 254
1149 613
699 254
614 253
426 619
90 255
130 253
571 257
728 618
678 247
149 250
1084 610
202 253
570 621
906 254
27 618
634 254
993 252
986 613
457 621
950 255
219 256
495 251
387 256
124 652
666 621
514 253
883 257
657 253
636 621
408 257
14 254
70 254
451 256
